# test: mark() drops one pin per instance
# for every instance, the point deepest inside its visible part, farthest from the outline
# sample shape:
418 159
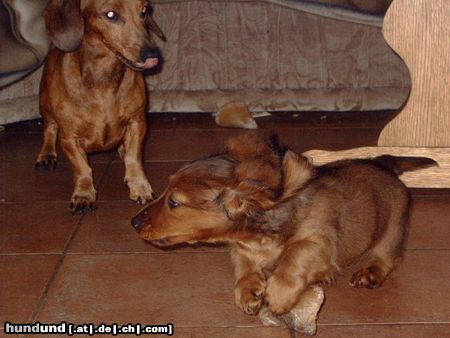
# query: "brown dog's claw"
82 208
141 192
46 163
143 200
82 204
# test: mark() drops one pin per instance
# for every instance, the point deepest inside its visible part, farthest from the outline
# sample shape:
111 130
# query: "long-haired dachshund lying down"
290 224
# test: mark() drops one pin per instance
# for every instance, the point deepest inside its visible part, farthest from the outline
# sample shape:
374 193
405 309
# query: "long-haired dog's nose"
135 222
138 220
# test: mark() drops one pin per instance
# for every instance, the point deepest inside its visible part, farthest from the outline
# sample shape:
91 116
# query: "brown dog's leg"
84 194
140 189
250 284
46 159
302 263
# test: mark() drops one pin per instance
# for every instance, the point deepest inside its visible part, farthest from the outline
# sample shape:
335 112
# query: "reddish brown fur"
92 94
290 224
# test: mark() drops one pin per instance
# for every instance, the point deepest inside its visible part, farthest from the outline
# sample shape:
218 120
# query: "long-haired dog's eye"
172 203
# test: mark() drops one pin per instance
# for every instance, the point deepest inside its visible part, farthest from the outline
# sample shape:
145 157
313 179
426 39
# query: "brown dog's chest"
96 113
100 127
105 130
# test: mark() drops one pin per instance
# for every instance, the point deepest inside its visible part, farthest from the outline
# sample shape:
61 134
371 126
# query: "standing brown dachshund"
92 90
290 224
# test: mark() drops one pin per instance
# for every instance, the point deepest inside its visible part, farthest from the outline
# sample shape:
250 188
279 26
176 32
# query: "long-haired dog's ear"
152 26
258 177
250 146
297 171
65 25
248 200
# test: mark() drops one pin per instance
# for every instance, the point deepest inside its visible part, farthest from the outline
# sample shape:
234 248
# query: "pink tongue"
149 63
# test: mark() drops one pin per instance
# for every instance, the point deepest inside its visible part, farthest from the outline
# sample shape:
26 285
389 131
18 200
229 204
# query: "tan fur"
92 93
290 225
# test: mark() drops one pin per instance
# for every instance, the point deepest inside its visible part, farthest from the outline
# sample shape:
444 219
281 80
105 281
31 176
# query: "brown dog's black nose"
150 53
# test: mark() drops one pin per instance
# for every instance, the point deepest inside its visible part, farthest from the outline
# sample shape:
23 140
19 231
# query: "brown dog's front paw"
249 294
46 163
82 203
140 191
281 294
371 278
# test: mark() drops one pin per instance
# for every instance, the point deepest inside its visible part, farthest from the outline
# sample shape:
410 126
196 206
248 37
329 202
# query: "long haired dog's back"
290 224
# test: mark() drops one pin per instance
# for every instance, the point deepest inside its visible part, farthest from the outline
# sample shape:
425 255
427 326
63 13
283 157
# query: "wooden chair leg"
419 31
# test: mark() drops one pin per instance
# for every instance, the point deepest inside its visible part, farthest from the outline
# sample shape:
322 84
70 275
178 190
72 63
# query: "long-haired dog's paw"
371 278
249 295
327 278
281 294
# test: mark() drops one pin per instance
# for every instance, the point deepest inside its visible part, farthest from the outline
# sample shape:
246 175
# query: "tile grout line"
219 250
52 278
260 128
355 324
424 196
324 325
64 252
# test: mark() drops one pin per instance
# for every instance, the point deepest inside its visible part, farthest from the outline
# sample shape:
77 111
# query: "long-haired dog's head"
225 196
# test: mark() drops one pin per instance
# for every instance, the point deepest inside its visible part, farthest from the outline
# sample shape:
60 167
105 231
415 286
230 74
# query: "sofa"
273 55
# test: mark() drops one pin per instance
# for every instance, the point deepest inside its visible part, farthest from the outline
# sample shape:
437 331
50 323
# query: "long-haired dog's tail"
399 165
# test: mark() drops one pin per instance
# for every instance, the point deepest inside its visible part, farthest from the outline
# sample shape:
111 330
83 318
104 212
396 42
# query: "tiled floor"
57 267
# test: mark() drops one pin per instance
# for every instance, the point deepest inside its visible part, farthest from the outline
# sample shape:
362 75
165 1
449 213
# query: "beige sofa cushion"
271 56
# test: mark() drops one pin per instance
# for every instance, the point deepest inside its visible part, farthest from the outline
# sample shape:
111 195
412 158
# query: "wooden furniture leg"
419 31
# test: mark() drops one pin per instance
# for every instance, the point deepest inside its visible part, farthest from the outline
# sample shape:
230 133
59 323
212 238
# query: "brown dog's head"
226 196
122 26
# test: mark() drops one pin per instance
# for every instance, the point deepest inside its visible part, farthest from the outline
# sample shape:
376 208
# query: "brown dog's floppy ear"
152 25
297 170
65 26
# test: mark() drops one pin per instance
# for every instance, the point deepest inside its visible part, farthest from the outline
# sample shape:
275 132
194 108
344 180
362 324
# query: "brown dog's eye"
112 16
172 203
144 11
